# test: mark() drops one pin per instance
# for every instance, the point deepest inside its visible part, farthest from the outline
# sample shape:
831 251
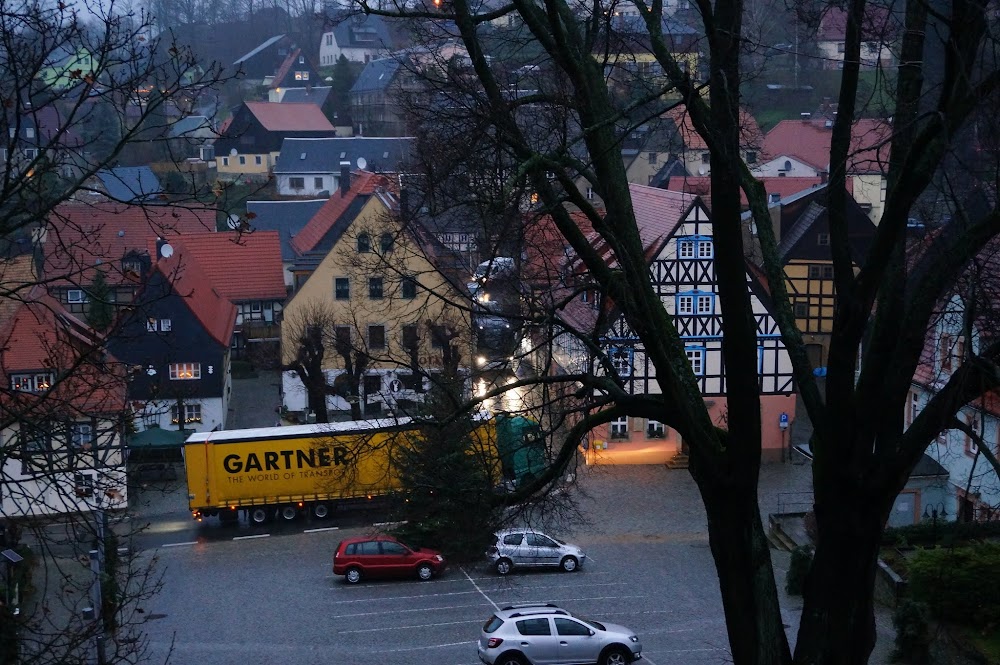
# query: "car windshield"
595 624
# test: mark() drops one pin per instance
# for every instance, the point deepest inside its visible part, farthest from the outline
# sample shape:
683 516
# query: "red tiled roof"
240 266
750 134
79 237
190 281
878 24
809 141
42 336
657 212
783 187
303 117
362 184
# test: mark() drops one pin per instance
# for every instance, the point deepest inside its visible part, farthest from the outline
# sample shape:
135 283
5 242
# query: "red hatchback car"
384 556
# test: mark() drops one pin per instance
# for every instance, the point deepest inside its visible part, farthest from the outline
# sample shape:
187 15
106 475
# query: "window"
815 272
81 435
706 158
513 539
34 440
243 160
840 47
706 305
376 337
151 324
75 296
302 76
570 627
944 351
774 198
619 428
342 336
375 288
31 153
364 243
706 249
225 161
342 288
166 325
386 242
185 371
297 183
534 627
590 193
685 305
84 484
823 239
914 409
408 288
971 447
696 356
318 182
787 166
621 359
410 338
828 272
439 337
410 381
652 157
751 156
29 132
691 247
31 383
801 310
959 351
395 549
257 160
192 413
329 39
685 249
373 384
655 430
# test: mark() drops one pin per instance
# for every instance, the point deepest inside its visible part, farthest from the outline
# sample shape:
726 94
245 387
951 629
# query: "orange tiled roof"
809 141
750 134
240 266
290 117
362 184
80 237
784 187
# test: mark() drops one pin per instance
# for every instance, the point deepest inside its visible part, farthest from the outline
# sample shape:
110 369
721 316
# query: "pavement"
612 504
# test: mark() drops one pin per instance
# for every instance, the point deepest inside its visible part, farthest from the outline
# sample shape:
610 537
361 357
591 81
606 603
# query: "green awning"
157 437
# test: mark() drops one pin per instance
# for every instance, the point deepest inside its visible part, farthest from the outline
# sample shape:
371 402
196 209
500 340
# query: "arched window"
364 244
386 242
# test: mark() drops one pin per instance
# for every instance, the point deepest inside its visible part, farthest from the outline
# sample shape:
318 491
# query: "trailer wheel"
259 514
320 510
289 512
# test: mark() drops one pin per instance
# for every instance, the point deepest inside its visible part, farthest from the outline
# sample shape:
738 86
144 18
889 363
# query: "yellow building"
390 318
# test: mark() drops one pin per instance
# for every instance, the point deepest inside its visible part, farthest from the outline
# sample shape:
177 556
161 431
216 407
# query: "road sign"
783 420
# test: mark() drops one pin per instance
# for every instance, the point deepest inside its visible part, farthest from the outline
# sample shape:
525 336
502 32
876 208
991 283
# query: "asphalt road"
274 600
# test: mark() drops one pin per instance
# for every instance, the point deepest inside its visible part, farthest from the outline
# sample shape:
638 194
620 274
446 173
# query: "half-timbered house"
682 268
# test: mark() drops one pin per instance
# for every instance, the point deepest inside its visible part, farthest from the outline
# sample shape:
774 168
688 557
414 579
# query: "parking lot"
275 599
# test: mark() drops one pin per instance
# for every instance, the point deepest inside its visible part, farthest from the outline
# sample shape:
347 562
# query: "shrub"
798 568
911 620
933 533
959 585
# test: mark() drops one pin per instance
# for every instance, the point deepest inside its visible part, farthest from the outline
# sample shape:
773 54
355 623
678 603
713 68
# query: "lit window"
185 371
655 430
192 413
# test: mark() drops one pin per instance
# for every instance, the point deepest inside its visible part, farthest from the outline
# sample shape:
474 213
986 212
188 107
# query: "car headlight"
439 557
634 638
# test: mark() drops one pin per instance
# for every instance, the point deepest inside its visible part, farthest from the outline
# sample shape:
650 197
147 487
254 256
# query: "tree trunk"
746 579
838 621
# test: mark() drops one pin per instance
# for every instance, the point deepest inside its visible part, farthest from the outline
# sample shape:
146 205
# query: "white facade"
307 183
392 387
330 51
65 473
785 166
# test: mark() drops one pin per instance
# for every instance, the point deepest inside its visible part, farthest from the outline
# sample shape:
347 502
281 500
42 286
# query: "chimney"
824 177
345 178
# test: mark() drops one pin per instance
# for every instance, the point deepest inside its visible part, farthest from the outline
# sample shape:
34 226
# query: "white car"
527 548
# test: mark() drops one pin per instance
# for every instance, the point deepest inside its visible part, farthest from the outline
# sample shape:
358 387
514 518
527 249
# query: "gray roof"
805 222
193 127
360 31
377 75
257 50
130 183
315 96
386 155
637 25
285 217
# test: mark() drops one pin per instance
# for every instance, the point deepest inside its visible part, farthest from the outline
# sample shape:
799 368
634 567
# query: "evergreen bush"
798 568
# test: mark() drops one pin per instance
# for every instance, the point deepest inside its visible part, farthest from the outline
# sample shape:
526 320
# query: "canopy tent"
158 438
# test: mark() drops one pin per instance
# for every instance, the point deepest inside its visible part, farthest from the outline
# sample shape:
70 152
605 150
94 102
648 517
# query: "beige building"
381 300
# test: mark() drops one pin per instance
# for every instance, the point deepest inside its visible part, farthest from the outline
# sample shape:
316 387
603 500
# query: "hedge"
960 585
931 533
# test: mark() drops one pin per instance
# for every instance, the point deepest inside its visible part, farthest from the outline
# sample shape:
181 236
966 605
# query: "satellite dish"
232 152
362 162
166 251
234 221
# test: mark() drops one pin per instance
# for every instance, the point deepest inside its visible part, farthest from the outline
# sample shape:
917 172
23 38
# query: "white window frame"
81 435
655 429
152 324
75 297
166 325
706 249
685 305
185 371
83 484
192 413
704 305
618 429
696 356
686 249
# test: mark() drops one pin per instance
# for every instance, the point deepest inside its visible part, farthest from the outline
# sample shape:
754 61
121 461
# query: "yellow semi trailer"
282 472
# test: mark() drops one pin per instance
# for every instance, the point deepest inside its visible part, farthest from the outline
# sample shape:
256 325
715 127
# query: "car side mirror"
591 631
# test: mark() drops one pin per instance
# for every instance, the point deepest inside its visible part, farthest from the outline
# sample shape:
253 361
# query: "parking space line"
432 646
326 528
418 626
259 535
473 583
368 599
383 613
191 542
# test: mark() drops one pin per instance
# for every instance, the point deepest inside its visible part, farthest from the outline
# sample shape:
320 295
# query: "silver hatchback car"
526 548
535 634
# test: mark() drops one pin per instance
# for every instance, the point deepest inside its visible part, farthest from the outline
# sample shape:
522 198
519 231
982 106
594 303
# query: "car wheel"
569 564
616 656
425 572
509 659
260 515
320 510
289 513
353 575
504 566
